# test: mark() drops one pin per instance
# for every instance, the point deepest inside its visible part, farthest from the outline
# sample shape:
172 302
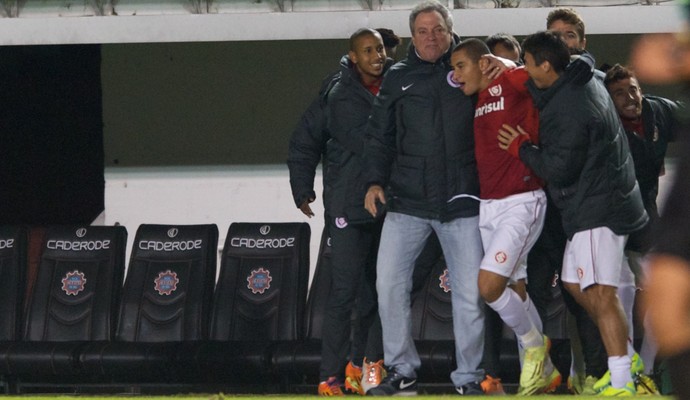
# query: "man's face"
431 36
466 73
576 44
627 97
536 72
369 56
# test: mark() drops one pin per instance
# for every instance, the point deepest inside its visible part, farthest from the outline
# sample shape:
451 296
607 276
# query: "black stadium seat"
74 300
166 301
298 362
13 242
259 301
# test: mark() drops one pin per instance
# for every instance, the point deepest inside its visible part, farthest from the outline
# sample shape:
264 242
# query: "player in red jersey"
512 209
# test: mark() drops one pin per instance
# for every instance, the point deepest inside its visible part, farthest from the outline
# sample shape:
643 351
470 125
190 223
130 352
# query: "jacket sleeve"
380 139
346 119
562 153
304 153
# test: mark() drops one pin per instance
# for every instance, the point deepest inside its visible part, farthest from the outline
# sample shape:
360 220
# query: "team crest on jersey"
496 90
166 282
73 283
341 222
259 280
444 281
501 257
451 81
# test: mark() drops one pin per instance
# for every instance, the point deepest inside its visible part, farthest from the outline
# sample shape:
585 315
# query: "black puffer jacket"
308 143
348 106
420 142
584 158
648 152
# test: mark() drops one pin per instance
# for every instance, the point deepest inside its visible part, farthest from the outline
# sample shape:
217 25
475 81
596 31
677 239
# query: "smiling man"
584 159
421 165
354 233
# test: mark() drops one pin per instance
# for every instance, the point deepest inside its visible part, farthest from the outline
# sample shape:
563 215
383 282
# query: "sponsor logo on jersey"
6 243
265 229
500 257
497 105
451 81
259 280
341 222
444 281
172 232
580 273
166 282
81 232
73 283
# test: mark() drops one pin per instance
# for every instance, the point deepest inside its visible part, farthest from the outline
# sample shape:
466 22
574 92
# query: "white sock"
533 313
509 306
620 371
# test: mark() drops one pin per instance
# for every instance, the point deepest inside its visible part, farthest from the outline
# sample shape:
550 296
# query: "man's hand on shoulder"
496 65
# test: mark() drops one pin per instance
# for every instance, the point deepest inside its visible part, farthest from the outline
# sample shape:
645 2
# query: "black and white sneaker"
395 384
470 389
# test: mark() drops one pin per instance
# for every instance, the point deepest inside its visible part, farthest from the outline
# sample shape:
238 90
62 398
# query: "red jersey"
505 101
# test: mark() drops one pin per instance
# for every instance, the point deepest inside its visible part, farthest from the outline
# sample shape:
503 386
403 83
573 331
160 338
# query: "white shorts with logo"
595 256
509 228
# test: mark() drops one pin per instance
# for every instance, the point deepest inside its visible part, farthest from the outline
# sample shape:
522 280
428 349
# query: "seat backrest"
262 287
169 287
432 312
13 242
78 284
319 289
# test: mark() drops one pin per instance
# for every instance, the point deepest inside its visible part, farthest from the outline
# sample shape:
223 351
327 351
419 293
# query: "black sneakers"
395 384
470 389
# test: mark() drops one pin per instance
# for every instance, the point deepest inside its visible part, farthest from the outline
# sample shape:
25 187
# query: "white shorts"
509 228
594 256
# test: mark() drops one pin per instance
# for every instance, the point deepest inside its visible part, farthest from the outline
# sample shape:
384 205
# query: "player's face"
466 72
431 37
570 36
369 56
536 72
627 97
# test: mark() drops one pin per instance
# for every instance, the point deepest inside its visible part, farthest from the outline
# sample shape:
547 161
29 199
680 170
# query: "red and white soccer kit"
511 213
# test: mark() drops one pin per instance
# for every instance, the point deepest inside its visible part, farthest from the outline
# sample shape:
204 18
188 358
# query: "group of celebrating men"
516 162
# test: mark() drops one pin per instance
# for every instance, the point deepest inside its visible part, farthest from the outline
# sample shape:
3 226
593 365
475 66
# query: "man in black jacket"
421 165
583 156
354 233
649 124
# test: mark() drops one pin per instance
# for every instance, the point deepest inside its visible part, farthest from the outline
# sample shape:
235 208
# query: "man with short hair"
354 233
421 166
512 210
649 124
584 158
